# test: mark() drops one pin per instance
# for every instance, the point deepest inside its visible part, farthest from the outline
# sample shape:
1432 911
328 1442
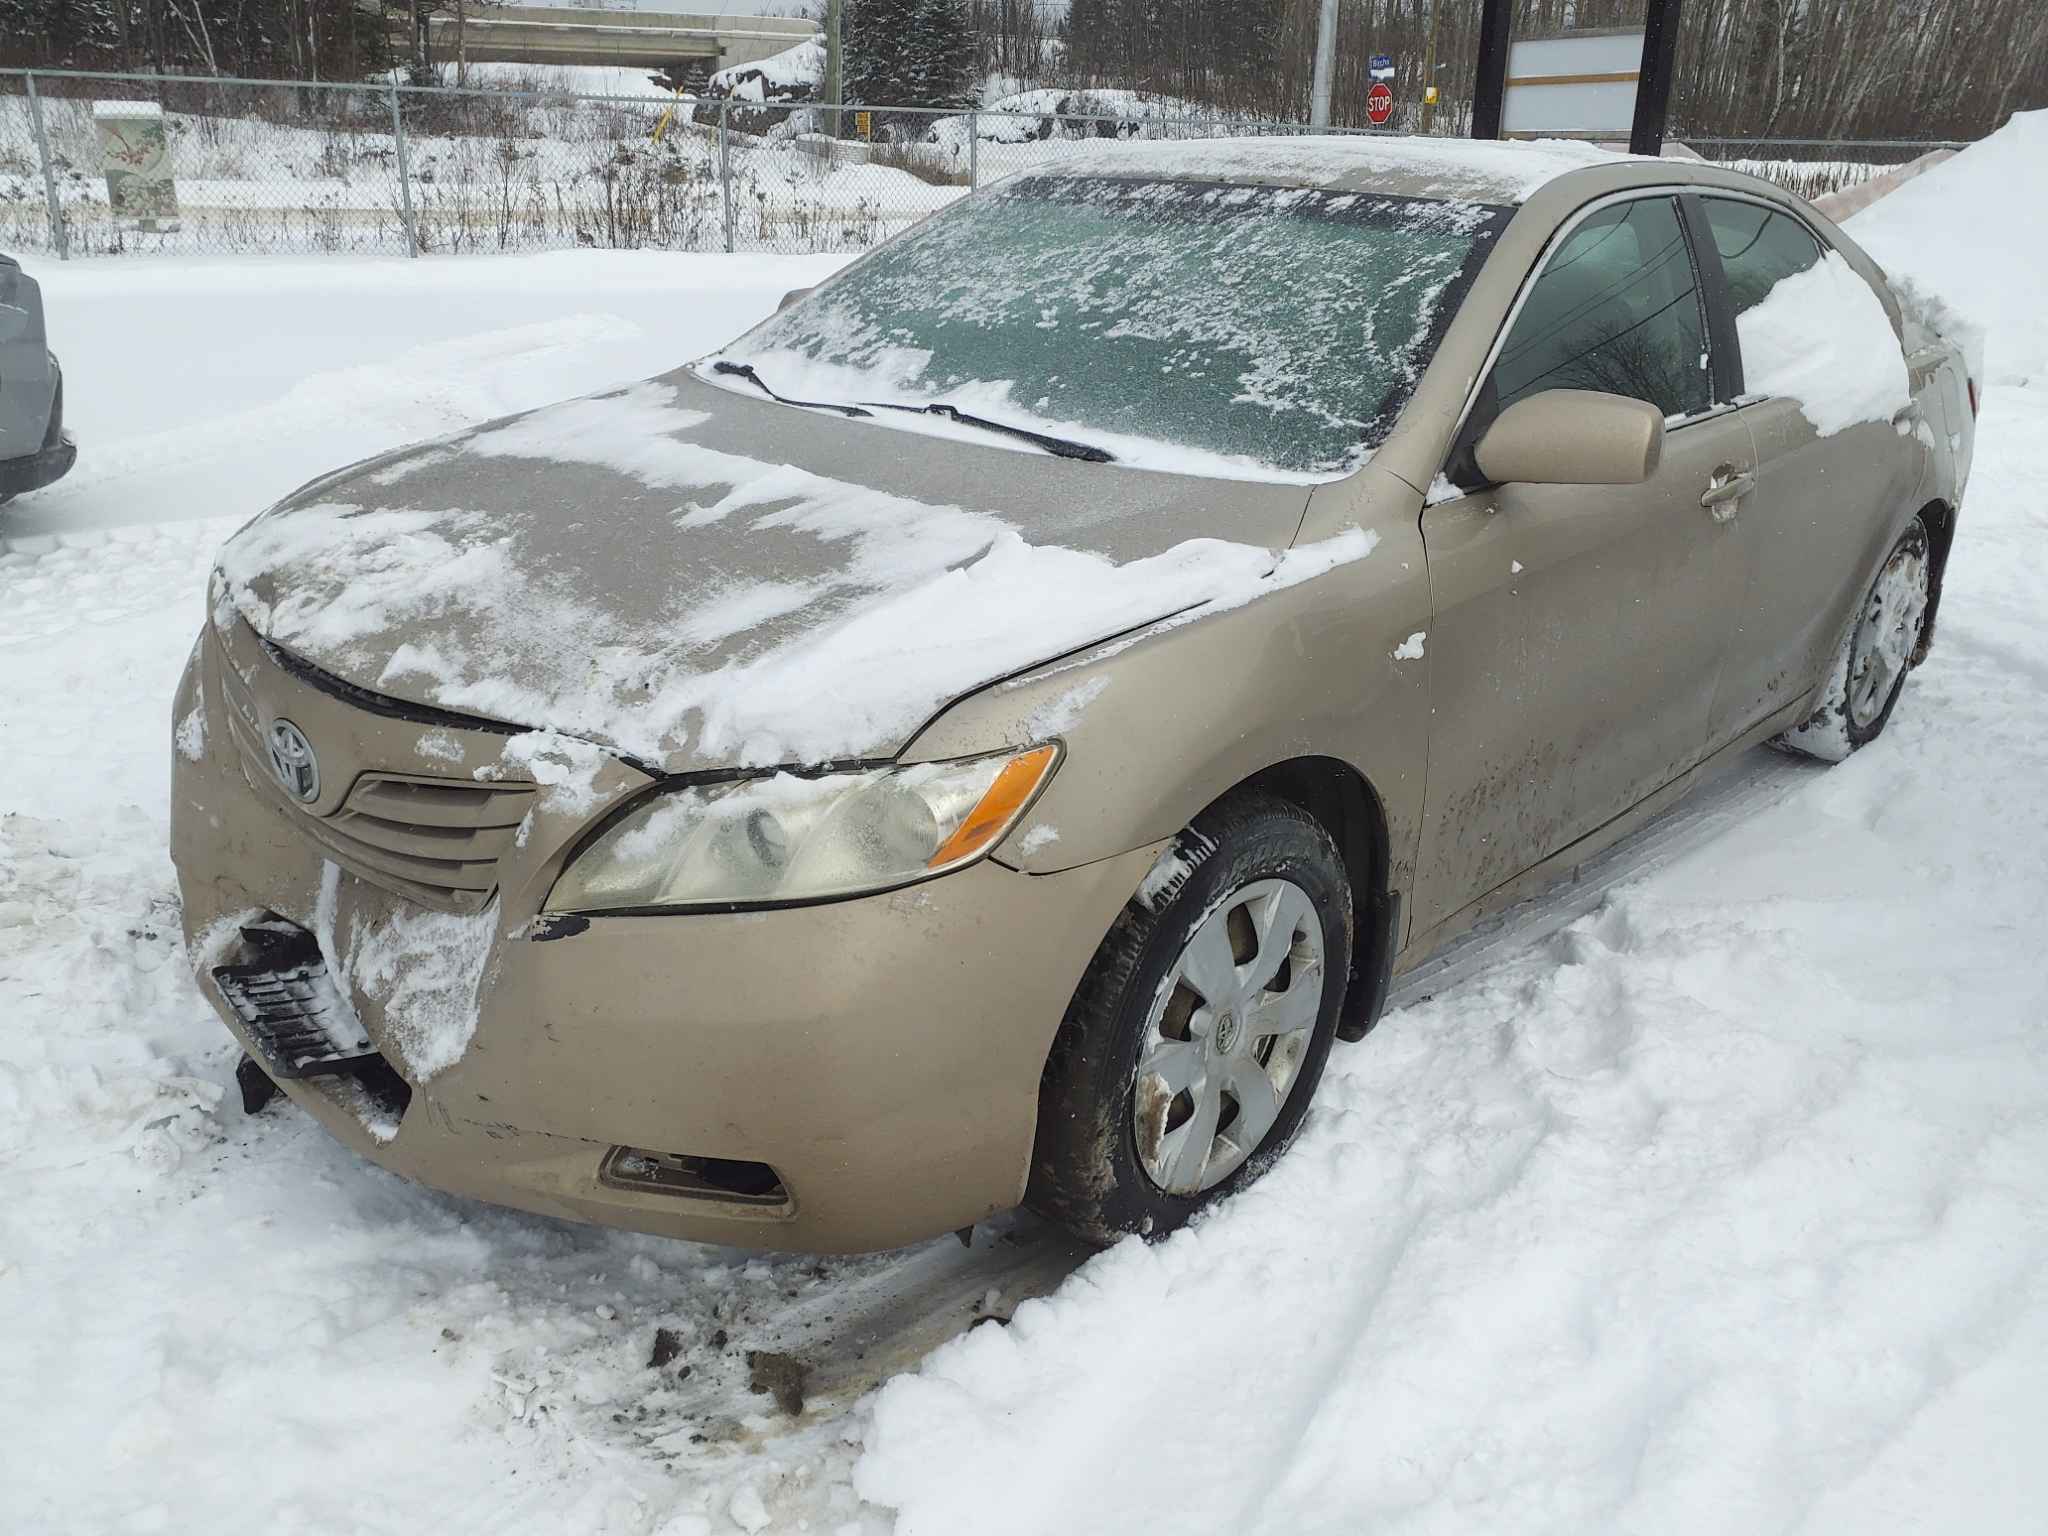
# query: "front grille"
436 840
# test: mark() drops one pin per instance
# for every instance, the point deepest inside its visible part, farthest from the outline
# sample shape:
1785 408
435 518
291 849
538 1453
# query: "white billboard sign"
1574 84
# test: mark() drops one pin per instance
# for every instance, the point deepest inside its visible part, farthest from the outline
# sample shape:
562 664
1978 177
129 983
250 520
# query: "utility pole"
1326 58
835 67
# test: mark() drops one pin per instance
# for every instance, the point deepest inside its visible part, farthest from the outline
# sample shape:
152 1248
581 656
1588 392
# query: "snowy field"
1724 1209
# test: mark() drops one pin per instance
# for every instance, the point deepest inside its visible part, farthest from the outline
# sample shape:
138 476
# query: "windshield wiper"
1065 447
746 371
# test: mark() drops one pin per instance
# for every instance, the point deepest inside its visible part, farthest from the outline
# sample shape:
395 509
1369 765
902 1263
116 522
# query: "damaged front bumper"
847 1076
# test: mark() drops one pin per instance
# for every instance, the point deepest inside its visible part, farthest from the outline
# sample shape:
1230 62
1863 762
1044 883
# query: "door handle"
1725 490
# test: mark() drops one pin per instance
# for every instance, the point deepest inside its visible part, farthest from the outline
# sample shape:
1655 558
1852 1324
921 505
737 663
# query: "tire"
1882 646
1119 1149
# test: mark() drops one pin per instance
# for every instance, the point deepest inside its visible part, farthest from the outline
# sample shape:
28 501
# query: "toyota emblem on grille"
292 760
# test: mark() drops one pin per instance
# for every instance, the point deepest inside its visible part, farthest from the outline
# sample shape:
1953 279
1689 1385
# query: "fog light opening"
727 1180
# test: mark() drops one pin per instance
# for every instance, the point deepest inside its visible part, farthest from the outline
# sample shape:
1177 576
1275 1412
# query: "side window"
1617 308
1759 248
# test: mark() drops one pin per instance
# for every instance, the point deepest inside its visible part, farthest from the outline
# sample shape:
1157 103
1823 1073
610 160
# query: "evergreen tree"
910 53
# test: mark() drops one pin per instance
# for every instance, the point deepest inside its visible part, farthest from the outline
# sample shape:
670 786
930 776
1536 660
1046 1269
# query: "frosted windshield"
1281 327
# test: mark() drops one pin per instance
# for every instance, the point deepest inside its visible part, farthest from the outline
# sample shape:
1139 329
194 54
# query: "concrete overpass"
531 34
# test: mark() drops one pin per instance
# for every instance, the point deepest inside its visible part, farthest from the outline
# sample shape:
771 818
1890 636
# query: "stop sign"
1379 104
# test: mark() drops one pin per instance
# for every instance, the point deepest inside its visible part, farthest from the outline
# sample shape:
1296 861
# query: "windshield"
1181 325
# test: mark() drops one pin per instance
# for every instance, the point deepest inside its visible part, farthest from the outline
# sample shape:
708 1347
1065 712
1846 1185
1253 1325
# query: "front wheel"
1200 1030
1870 669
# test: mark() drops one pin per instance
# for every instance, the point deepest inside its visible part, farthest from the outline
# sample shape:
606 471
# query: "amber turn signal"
1013 787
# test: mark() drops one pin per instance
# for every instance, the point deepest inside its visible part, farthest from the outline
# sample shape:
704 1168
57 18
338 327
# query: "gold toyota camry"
981 738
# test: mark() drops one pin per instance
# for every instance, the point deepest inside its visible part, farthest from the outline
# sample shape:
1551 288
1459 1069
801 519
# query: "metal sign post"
1653 90
1578 83
1490 82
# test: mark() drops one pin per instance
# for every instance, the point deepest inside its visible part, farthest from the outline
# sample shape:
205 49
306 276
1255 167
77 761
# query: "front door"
1578 631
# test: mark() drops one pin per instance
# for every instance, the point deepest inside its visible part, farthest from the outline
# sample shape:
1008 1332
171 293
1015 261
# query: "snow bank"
1975 231
1822 337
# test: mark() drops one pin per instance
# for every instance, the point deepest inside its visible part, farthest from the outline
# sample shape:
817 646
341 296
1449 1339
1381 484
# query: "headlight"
787 838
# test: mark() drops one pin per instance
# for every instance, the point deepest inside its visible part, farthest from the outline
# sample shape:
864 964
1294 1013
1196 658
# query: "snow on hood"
623 569
1471 170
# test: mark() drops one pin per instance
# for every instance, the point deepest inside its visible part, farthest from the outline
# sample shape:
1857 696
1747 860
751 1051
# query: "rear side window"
1617 309
1759 248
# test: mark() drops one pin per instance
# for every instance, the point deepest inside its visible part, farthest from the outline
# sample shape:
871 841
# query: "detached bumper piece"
289 1006
257 1088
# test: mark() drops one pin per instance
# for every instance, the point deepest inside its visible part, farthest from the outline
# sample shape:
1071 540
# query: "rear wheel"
1196 1039
1870 669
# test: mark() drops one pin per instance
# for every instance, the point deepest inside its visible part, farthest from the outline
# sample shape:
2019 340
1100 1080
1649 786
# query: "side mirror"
1573 437
791 297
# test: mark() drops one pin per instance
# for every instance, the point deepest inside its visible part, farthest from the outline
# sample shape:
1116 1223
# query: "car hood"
698 579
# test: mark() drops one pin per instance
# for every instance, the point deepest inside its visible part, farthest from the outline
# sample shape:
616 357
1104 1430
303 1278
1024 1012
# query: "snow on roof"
127 109
1479 170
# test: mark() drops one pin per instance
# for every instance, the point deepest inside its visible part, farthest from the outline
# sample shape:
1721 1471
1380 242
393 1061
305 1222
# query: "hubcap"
1887 634
1227 1036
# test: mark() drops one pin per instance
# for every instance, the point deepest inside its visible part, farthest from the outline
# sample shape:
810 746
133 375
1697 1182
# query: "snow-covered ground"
1724 1209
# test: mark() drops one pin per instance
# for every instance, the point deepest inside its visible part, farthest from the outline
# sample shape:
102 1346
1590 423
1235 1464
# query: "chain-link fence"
274 166
95 164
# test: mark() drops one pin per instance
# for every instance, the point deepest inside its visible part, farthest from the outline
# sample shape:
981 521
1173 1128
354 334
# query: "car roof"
1468 170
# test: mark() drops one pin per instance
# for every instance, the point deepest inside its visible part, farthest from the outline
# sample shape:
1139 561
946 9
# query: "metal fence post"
725 168
973 151
412 239
35 112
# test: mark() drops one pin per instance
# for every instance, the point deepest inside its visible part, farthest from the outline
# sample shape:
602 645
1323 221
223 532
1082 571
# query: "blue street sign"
1382 67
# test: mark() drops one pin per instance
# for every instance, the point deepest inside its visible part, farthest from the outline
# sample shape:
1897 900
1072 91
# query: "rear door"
1822 506
1578 630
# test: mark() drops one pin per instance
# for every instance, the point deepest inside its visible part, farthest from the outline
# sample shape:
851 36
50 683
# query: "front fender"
1158 725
